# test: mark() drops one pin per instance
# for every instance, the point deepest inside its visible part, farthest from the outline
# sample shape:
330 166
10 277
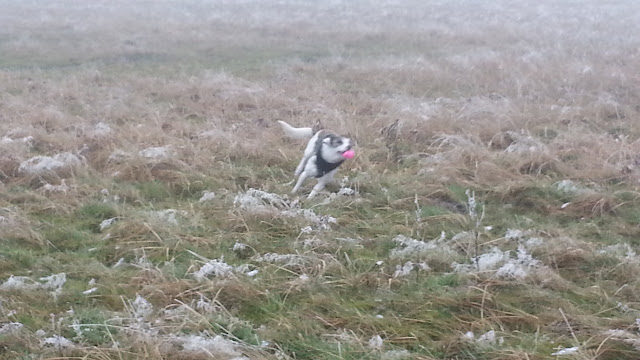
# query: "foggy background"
58 33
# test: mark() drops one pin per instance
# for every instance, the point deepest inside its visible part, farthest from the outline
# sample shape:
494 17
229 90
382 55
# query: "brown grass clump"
17 227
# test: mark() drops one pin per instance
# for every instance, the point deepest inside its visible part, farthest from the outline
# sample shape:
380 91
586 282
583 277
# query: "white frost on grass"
405 270
570 187
500 261
622 251
207 196
58 342
107 223
376 343
141 325
302 279
515 234
347 191
484 340
118 263
53 282
312 243
322 221
62 188
484 262
11 328
622 307
168 216
252 273
489 338
158 153
239 246
217 268
204 343
141 308
101 129
409 248
205 305
519 267
533 242
89 291
258 201
261 202
286 260
19 283
566 351
27 140
523 143
38 165
220 269
469 335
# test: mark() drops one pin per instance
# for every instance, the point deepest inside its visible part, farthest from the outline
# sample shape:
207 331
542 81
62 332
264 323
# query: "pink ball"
349 154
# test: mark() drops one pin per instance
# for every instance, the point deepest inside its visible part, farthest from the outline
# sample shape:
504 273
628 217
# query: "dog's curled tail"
296 133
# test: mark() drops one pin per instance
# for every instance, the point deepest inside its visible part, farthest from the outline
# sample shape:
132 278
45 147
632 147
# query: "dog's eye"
338 142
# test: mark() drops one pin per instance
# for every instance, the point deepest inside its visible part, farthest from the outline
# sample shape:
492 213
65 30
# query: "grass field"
491 211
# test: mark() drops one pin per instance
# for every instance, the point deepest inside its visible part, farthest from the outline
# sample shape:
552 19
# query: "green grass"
423 313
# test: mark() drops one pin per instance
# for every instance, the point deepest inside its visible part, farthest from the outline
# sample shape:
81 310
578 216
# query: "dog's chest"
323 167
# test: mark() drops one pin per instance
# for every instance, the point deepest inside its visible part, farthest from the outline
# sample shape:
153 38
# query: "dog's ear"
351 137
353 141
318 126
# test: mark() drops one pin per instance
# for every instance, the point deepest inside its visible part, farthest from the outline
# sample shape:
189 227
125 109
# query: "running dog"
325 152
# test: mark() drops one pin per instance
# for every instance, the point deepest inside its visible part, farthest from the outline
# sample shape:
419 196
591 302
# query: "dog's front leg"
301 179
322 182
300 167
308 153
316 189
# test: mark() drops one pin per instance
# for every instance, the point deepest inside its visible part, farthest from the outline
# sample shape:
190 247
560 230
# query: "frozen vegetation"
491 211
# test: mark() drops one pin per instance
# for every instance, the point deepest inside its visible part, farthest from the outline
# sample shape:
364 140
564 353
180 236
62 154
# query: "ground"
491 210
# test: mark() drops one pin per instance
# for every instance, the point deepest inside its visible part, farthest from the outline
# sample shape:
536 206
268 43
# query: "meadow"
491 210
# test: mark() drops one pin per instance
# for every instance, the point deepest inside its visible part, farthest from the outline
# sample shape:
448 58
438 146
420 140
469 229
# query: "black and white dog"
325 152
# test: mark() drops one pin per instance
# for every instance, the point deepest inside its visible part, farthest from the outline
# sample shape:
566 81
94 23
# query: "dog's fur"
321 158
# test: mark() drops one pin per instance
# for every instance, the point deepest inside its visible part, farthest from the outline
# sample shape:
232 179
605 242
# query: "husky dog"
322 157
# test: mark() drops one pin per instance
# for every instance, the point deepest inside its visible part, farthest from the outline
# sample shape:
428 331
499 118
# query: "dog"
325 152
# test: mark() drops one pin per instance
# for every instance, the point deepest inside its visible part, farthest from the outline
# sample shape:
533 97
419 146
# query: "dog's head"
334 147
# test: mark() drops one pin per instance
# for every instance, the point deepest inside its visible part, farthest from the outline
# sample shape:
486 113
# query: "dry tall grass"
130 112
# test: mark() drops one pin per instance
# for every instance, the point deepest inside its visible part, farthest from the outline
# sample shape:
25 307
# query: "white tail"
296 133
